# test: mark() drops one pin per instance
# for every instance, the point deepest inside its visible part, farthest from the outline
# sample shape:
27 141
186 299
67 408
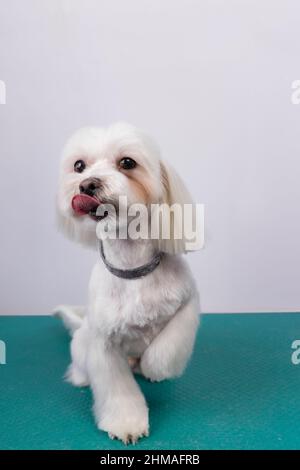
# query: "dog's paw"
76 377
127 427
156 371
153 371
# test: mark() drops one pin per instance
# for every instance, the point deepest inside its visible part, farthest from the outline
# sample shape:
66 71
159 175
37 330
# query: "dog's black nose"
89 186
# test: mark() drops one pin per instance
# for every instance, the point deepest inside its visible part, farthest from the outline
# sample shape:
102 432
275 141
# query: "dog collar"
134 273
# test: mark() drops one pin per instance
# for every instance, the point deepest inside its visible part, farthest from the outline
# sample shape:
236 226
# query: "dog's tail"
71 315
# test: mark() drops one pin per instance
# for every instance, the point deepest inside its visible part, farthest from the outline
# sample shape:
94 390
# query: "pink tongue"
82 204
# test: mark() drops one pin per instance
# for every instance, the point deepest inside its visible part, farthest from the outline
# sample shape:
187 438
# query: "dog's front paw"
128 425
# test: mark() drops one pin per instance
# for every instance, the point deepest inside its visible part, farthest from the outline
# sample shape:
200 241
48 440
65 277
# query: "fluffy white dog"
143 309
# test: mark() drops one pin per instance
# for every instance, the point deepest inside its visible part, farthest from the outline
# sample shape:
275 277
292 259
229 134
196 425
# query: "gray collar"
134 273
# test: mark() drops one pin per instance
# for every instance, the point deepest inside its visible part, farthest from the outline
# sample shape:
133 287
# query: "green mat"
240 391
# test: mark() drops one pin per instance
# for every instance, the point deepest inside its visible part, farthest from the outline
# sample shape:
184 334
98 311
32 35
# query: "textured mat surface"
240 391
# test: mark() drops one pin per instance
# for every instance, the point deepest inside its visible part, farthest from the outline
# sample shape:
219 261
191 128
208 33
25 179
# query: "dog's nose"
89 186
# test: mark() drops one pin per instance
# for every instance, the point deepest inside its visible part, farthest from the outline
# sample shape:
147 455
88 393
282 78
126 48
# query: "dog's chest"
129 309
133 340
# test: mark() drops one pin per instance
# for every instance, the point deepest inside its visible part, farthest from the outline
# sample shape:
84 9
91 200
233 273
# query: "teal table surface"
240 390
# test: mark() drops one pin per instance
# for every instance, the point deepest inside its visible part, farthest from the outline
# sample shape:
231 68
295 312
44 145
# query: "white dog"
143 308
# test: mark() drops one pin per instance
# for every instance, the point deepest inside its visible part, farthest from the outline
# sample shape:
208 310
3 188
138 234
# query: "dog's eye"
127 163
79 166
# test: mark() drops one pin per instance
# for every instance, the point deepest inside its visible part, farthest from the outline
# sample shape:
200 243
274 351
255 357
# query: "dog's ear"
175 194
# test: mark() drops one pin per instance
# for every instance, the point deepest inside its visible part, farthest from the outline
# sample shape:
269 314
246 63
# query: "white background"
210 80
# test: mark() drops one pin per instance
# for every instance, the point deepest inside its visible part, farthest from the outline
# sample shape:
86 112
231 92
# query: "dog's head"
101 164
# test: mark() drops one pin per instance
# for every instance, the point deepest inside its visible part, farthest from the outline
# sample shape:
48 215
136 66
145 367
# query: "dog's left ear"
176 194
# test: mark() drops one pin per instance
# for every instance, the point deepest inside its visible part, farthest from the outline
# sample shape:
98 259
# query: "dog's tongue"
83 204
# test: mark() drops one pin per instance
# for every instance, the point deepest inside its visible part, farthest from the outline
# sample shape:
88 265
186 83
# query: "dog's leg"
169 352
77 373
120 408
71 315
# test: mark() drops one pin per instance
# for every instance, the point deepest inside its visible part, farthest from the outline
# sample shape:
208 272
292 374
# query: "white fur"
149 323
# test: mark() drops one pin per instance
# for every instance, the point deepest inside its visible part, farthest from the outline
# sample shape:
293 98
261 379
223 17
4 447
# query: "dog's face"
99 166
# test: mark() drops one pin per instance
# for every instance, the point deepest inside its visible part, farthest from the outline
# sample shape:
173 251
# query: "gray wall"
211 80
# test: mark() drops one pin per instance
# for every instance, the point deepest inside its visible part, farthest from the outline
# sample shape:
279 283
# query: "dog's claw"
129 439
